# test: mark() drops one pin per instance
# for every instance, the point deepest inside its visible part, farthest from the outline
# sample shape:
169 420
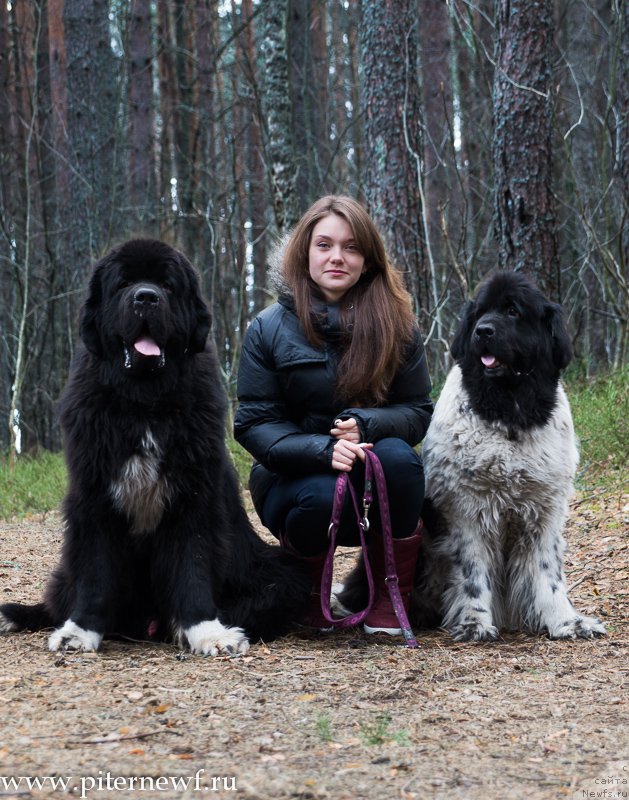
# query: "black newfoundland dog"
500 458
157 543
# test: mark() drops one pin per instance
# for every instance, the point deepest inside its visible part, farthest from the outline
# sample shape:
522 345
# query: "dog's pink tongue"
489 361
147 347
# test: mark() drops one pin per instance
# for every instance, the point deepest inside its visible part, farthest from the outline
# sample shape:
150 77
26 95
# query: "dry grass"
328 716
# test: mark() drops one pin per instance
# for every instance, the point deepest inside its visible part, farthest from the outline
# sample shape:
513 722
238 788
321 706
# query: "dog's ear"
458 347
561 344
200 317
201 322
90 322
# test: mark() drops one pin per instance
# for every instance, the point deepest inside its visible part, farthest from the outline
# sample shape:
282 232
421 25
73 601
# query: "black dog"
157 543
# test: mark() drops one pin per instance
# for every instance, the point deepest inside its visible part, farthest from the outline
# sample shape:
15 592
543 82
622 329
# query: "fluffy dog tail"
267 590
18 617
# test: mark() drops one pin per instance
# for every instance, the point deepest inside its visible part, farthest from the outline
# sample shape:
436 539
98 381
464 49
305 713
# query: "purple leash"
374 475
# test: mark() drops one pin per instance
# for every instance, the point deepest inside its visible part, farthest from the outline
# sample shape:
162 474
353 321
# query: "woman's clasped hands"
348 446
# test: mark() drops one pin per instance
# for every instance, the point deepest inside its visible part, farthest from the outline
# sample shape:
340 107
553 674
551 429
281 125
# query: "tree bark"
434 35
142 184
393 147
525 224
278 113
92 131
255 167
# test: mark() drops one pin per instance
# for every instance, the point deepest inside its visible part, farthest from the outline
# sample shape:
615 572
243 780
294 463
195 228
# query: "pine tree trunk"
308 80
185 125
622 349
523 109
434 34
91 92
141 117
393 146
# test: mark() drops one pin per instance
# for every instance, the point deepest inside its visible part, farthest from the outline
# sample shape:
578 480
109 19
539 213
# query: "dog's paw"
578 627
473 632
336 603
211 637
6 625
72 637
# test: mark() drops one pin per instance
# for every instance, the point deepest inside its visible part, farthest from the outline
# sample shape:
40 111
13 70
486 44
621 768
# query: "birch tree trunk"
280 152
255 165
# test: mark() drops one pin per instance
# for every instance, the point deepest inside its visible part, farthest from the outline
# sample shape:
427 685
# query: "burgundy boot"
382 617
313 616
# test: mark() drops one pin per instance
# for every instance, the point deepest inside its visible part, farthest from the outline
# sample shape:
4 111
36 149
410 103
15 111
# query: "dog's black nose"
146 296
484 330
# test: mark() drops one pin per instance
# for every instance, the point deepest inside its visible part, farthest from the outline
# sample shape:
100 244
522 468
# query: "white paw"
72 637
6 626
211 637
336 606
577 628
474 632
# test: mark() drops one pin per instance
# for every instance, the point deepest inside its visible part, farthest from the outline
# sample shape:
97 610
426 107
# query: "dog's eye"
512 311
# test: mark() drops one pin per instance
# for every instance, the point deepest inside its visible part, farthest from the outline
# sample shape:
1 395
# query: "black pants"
300 508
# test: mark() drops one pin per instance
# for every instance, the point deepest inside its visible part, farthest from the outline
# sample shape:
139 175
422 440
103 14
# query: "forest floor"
333 716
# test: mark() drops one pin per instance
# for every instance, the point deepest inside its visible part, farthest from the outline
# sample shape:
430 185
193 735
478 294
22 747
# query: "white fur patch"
211 637
141 492
6 626
72 637
336 606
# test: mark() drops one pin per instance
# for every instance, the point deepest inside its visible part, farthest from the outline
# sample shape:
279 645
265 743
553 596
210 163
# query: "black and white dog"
157 543
500 458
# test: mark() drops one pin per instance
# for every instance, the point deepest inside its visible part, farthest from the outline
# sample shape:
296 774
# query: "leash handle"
343 484
374 476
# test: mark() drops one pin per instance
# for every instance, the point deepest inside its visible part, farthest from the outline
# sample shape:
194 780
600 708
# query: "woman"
334 367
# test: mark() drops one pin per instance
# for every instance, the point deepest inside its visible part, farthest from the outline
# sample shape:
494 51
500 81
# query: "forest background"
479 135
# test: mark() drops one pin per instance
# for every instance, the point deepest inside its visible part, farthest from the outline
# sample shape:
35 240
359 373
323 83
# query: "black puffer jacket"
287 401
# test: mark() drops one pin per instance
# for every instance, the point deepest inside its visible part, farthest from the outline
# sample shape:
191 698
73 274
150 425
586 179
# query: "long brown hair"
383 322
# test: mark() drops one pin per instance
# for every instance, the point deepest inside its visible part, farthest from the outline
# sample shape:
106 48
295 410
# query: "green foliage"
323 728
600 408
377 732
36 485
241 458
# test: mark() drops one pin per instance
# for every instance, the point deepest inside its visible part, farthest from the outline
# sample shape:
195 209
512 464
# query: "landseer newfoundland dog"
500 457
157 543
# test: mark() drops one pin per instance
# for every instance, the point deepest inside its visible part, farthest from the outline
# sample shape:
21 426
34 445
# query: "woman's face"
334 260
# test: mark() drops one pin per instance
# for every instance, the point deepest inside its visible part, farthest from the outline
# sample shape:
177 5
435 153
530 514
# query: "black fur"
511 320
155 551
